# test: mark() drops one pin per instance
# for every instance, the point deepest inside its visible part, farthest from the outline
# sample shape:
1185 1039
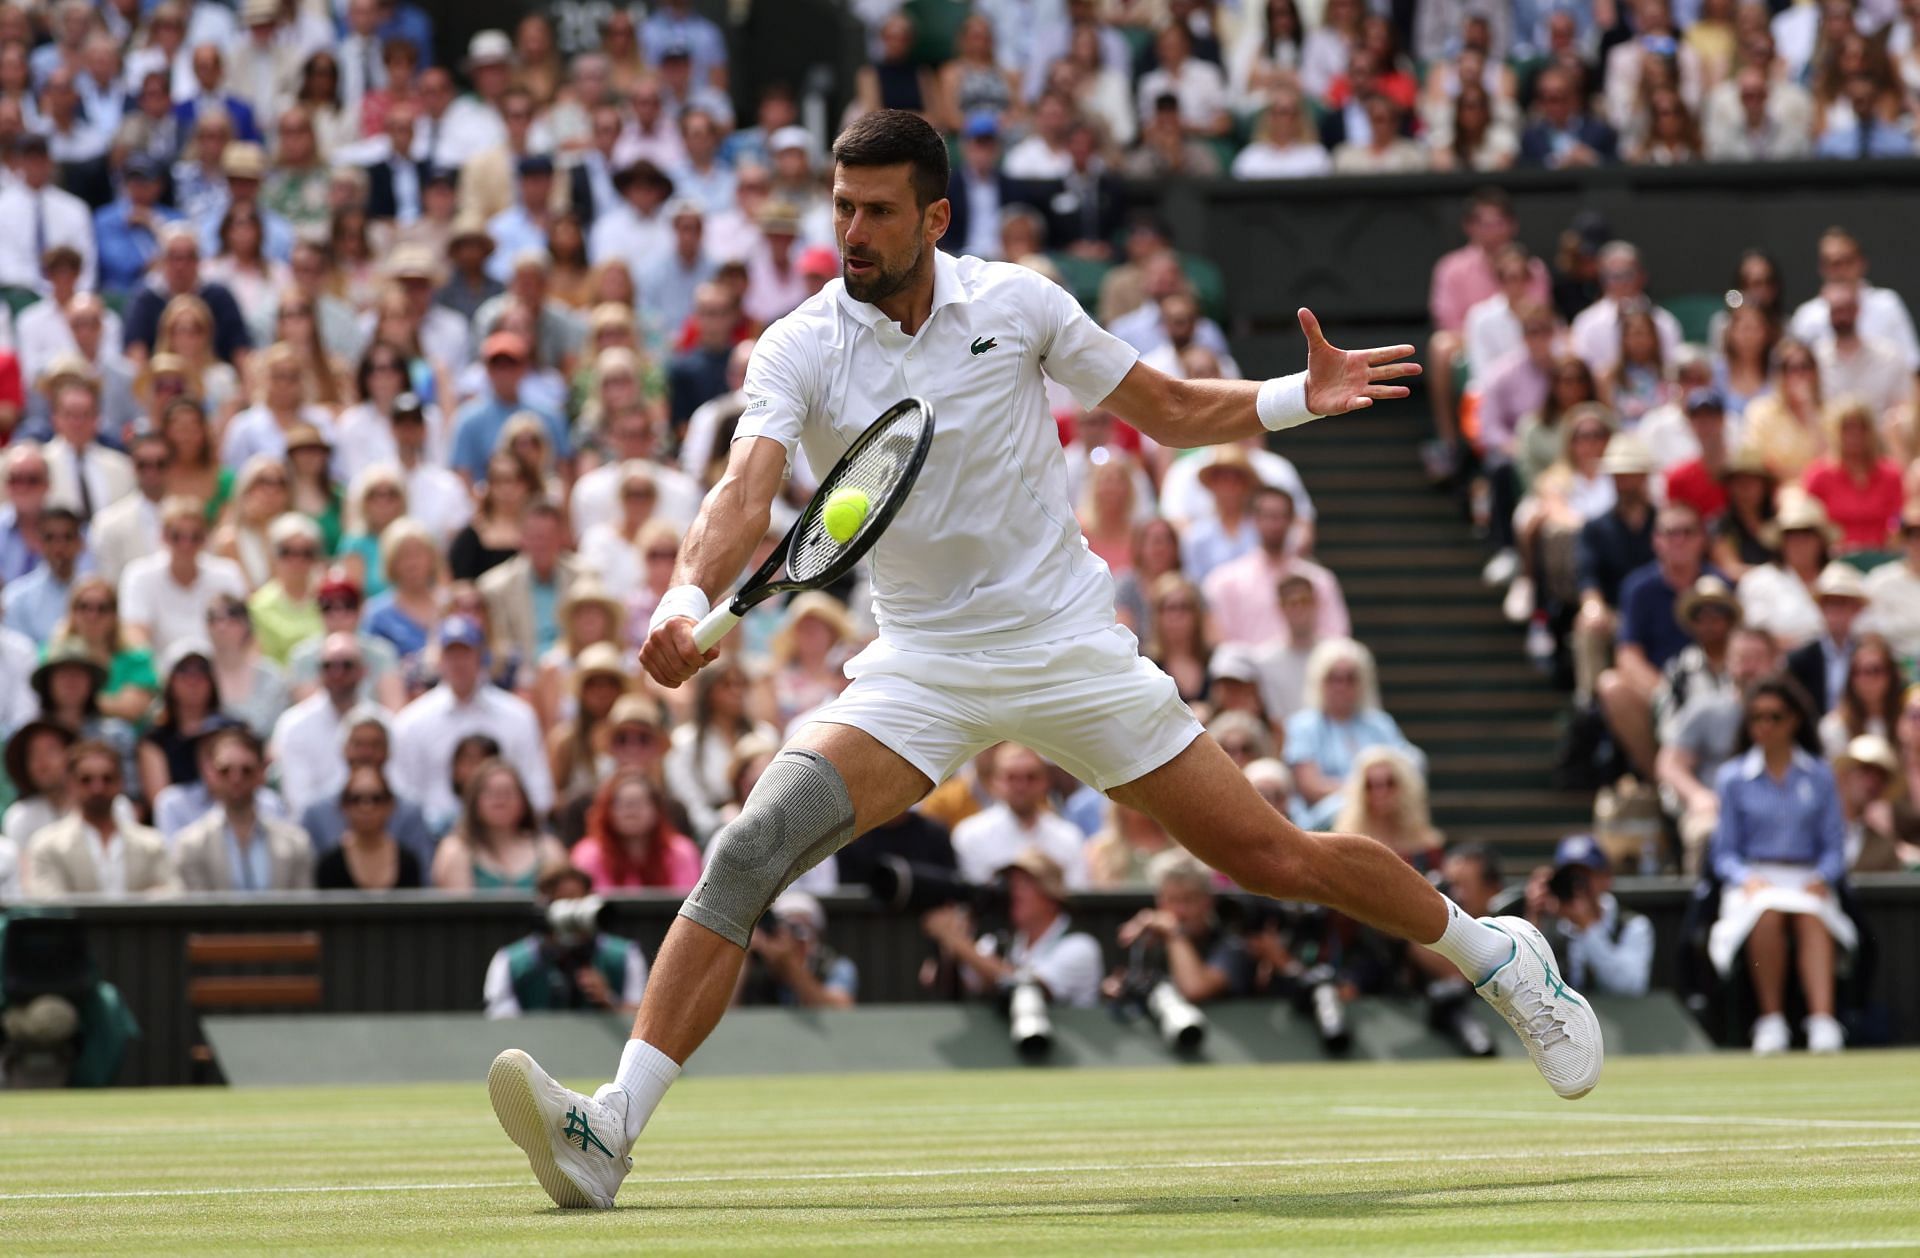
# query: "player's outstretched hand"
1342 380
669 655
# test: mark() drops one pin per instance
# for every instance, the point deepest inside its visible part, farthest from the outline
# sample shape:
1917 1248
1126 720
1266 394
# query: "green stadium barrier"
282 1050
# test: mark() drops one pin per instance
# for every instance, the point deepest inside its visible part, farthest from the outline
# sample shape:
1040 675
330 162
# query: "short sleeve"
1074 350
779 387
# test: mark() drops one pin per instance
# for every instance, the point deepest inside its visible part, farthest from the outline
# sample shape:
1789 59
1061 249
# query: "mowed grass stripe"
1214 1160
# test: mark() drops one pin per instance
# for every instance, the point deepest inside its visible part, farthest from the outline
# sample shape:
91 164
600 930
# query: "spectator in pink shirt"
1461 280
1243 593
630 841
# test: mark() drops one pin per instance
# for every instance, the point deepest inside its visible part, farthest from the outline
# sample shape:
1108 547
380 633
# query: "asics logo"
580 1133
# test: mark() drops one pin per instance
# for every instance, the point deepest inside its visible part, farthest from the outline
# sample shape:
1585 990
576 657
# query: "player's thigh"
1107 718
891 739
1208 806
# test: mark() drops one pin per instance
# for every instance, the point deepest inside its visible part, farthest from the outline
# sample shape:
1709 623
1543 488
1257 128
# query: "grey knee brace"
797 816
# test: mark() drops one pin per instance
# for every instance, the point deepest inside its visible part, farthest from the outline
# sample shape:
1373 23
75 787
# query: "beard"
883 281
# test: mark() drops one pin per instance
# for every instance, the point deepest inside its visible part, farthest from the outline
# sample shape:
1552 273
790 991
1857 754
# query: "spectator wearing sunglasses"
340 611
236 847
366 742
368 857
286 610
97 849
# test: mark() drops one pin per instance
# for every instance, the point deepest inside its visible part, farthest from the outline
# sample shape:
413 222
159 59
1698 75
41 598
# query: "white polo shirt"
986 553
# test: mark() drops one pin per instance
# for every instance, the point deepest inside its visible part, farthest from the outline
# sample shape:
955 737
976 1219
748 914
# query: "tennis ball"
846 512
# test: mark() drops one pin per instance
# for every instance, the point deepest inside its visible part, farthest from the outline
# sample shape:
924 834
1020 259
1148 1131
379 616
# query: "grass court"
1685 1155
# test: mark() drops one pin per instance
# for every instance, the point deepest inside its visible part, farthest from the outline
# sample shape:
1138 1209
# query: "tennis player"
996 622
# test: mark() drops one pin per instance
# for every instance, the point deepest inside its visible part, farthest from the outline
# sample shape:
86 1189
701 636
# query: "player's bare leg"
1203 800
577 1145
693 977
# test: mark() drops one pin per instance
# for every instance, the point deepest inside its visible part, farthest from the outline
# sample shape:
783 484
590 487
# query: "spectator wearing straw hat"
1778 596
1867 772
808 651
444 336
577 747
1610 547
468 287
1820 664
1709 613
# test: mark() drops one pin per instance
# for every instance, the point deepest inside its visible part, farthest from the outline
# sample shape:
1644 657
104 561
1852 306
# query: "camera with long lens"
1314 989
1029 1023
1181 1024
570 926
914 887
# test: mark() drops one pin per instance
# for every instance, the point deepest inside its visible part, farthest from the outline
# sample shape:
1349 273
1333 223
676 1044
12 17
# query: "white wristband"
1282 402
681 600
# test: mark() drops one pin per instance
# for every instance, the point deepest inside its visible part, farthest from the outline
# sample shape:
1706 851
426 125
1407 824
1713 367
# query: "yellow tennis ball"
846 512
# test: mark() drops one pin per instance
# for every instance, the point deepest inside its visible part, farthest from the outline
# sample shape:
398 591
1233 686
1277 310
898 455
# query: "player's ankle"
645 1075
1474 947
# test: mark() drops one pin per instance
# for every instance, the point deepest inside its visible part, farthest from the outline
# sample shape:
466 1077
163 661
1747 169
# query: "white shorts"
1090 704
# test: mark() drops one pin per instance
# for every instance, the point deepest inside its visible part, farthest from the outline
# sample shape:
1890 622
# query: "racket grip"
714 626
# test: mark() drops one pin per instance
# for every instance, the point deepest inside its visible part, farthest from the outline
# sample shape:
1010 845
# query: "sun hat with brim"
470 226
1708 591
633 709
1233 662
15 756
1626 455
822 607
68 651
1840 580
1226 458
587 592
243 159
66 368
1799 514
306 437
412 262
602 659
1042 868
1747 460
1871 751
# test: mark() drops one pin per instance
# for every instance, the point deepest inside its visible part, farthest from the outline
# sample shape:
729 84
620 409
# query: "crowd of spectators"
355 405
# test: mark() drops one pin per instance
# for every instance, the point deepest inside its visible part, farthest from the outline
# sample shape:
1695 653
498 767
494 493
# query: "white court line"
1102 1168
1783 1247
1602 1116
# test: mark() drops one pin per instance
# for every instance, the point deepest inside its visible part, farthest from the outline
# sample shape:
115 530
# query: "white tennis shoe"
1555 1022
577 1144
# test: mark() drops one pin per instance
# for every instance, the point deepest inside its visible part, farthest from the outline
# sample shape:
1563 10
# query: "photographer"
567 963
789 962
1606 949
1181 937
1042 950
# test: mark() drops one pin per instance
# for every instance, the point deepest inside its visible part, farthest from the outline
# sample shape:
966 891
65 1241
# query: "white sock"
645 1075
1476 948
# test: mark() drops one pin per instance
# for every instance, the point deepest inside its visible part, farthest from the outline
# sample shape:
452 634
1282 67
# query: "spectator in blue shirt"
1780 853
127 229
28 480
38 601
1879 127
674 25
1341 719
1650 634
476 429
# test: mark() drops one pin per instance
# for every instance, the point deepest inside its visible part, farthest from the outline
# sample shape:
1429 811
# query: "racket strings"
876 470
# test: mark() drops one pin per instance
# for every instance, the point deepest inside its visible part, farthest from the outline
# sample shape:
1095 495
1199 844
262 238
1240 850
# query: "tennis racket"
882 462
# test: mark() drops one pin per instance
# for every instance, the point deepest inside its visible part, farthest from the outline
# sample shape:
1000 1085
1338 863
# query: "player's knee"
798 815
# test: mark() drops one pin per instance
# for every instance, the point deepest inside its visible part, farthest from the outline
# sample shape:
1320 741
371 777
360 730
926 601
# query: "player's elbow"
1154 404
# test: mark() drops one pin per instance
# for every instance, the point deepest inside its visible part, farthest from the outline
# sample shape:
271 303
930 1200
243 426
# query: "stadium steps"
1451 669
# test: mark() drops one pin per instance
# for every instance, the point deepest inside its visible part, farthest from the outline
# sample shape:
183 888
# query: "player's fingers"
1388 353
1385 391
1393 371
1311 327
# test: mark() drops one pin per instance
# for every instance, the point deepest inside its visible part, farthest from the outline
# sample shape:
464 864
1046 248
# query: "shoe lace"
1533 1015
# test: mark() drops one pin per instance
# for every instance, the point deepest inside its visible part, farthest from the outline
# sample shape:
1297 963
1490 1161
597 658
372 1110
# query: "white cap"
790 138
489 46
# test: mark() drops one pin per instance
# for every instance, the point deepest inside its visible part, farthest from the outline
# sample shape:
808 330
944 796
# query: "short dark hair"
893 137
246 738
1491 198
60 515
1480 855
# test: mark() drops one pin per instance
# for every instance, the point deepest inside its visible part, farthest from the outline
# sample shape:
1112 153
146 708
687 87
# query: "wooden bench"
278 971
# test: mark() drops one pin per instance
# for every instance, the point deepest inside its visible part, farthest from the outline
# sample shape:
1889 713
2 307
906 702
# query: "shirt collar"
947 290
1754 763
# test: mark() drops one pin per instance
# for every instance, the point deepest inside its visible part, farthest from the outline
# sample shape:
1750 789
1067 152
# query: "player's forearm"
1183 414
731 521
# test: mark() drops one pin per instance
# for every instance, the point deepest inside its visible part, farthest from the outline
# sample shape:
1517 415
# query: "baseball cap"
799 906
1706 400
1233 663
1580 849
338 585
141 166
790 138
534 164
461 631
1043 869
980 124
504 345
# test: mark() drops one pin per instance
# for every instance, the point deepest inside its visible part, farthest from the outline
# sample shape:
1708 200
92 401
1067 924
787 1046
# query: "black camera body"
1570 882
914 887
